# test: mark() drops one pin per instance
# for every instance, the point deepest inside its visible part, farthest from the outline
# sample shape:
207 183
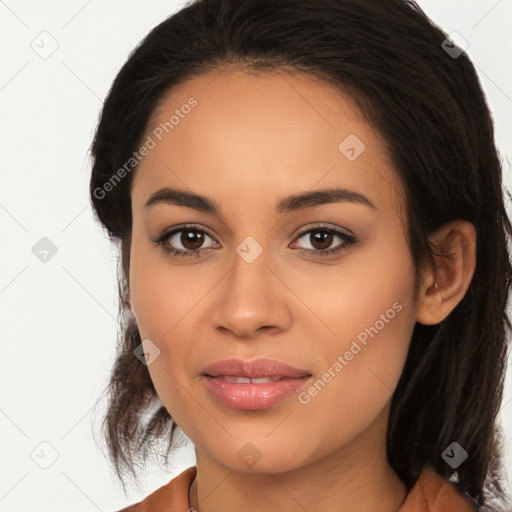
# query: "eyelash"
348 240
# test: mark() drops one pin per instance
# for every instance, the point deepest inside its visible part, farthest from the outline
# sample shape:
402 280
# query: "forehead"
231 130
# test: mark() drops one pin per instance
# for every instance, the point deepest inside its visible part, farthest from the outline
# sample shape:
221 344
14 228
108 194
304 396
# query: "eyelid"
326 226
181 227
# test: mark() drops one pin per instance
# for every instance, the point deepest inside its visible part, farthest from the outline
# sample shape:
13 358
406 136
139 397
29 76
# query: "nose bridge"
250 265
250 297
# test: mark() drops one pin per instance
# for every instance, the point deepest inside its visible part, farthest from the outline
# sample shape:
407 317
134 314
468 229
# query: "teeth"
238 380
262 380
247 380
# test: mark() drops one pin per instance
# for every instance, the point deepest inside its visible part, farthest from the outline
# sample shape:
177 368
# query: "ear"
442 288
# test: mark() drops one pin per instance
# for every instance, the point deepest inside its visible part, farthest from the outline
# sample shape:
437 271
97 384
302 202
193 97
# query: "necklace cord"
190 507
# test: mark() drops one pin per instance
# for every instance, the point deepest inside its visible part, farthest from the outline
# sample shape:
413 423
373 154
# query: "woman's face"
255 279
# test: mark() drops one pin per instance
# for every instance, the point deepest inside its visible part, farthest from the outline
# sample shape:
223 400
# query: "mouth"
246 380
254 369
253 385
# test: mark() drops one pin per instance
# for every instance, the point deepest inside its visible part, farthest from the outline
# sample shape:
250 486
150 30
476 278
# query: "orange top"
430 493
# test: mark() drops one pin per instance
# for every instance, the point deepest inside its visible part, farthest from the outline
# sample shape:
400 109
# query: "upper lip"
253 369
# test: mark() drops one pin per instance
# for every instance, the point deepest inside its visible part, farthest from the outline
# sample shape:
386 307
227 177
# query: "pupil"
322 237
193 238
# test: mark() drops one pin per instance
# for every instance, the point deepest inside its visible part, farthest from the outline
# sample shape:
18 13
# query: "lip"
286 379
254 368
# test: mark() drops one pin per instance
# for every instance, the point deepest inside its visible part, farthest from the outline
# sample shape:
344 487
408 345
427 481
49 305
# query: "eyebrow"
168 195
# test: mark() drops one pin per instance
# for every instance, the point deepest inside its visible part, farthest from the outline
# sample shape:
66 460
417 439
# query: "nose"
251 299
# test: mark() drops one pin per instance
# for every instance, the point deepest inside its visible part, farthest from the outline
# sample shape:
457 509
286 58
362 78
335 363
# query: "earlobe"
442 288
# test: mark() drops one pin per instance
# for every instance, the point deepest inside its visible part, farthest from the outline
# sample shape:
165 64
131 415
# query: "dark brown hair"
429 107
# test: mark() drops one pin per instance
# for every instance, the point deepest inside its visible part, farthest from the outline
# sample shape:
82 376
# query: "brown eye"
191 239
321 239
185 241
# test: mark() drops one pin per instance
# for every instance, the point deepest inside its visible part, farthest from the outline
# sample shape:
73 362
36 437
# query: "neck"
356 478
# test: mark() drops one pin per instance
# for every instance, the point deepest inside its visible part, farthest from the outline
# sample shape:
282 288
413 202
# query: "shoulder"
433 493
171 496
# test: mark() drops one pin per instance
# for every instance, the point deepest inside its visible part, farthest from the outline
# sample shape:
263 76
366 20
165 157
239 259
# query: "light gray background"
58 318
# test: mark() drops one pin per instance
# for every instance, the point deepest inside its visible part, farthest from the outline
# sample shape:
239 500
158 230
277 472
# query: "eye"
190 237
321 238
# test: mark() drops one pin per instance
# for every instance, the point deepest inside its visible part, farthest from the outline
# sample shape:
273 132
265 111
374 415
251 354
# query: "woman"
308 203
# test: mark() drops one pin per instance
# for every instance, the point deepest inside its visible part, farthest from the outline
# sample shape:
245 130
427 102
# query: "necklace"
191 508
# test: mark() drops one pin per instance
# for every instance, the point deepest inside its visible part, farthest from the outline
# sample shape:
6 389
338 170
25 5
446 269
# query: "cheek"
373 320
164 301
145 291
361 368
162 296
160 311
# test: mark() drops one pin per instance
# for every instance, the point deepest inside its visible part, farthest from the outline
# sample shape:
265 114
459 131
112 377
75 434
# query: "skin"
252 140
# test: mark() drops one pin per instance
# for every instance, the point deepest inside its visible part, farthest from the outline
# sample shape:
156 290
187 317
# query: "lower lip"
253 396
